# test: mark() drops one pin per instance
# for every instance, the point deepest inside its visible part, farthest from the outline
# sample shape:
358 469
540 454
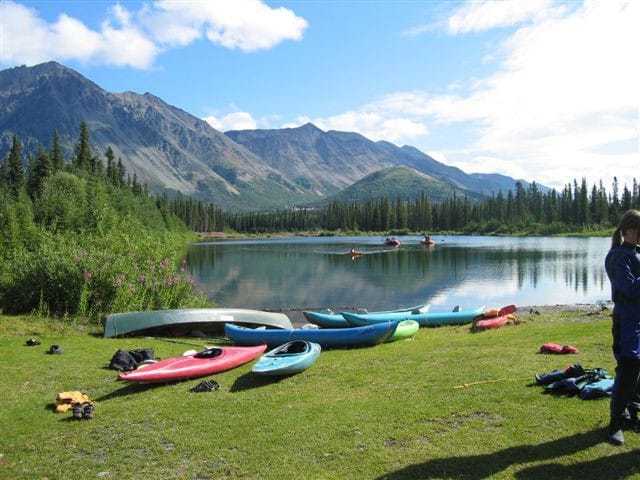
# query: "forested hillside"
577 208
84 237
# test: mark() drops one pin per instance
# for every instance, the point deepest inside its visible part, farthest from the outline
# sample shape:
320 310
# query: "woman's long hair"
629 221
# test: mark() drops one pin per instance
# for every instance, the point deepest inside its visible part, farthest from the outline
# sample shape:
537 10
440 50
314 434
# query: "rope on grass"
465 385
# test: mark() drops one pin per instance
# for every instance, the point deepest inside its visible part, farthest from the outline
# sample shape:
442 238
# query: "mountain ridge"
172 150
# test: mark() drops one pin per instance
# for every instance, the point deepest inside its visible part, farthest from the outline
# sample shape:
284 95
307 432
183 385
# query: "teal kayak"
429 319
325 337
292 357
328 319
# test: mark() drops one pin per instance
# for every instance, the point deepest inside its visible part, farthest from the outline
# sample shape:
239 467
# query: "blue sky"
540 90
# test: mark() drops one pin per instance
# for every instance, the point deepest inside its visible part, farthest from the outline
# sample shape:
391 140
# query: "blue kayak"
287 359
429 319
326 337
328 319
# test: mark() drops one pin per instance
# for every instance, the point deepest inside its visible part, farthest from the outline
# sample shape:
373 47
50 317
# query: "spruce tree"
15 175
56 157
82 157
40 172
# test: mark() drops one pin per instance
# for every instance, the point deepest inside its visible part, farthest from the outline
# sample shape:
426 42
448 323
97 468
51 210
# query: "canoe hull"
181 322
193 366
428 319
325 337
280 361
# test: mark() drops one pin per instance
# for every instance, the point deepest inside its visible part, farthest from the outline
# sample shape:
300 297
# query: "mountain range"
172 150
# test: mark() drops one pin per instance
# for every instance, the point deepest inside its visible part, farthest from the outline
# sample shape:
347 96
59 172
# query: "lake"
317 272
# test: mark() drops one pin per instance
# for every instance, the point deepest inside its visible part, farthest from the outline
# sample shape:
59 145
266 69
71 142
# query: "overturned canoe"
329 319
187 321
207 362
292 357
428 319
325 337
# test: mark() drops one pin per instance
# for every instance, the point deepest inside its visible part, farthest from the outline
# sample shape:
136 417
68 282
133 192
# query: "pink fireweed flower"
141 278
119 280
87 276
183 265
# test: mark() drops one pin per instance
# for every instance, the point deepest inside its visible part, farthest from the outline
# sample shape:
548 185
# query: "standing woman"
623 268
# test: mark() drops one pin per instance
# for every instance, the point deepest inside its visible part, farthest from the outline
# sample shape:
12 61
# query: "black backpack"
124 360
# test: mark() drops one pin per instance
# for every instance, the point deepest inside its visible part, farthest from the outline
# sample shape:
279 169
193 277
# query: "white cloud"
565 93
135 39
27 39
232 121
476 16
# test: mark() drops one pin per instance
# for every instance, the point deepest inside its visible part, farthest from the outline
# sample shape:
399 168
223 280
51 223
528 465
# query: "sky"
540 90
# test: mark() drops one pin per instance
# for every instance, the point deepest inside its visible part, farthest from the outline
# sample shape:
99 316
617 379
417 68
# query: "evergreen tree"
121 171
15 169
82 157
57 159
39 173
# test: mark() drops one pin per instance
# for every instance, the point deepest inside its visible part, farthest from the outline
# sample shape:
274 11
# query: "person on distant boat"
426 240
623 269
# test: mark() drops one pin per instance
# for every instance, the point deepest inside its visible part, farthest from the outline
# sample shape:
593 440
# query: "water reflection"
317 272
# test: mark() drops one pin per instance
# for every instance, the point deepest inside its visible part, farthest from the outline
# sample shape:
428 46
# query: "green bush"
88 248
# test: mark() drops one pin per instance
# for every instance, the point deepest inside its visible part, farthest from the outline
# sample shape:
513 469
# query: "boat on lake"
189 322
392 242
428 319
288 359
325 337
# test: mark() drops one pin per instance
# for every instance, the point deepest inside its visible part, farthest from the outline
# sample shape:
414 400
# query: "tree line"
577 208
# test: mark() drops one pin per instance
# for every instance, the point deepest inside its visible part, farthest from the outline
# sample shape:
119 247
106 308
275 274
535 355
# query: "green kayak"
405 329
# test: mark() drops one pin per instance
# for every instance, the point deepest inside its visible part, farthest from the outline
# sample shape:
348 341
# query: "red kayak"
493 322
207 362
495 318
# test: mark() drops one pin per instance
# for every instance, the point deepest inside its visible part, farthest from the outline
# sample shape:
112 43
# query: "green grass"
391 411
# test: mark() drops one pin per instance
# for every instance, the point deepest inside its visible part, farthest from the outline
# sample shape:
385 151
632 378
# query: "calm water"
459 270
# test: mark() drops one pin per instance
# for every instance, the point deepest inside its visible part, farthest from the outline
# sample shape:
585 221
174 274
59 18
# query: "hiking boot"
77 411
87 413
631 421
615 432
55 350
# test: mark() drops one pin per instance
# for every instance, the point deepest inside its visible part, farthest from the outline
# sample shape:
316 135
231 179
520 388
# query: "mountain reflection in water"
318 272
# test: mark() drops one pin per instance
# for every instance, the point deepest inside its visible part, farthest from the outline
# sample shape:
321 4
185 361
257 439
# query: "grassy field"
392 411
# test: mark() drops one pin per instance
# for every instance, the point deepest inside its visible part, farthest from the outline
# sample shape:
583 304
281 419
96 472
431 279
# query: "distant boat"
392 242
292 357
187 321
427 241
